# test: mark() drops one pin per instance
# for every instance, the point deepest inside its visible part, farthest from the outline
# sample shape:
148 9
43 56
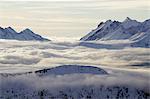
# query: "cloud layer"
45 54
24 56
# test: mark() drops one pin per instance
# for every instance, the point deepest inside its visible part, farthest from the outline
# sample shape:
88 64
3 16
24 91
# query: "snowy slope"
71 69
127 30
8 33
79 86
27 34
141 39
101 31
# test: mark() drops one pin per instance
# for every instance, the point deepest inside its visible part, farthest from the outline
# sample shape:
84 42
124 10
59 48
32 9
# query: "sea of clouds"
18 56
127 66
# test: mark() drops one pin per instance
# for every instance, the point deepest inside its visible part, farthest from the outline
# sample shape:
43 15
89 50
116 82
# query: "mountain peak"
108 21
9 27
10 30
127 23
127 19
26 34
122 31
27 30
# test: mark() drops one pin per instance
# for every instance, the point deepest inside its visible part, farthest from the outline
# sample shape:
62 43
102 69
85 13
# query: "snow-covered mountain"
27 34
132 30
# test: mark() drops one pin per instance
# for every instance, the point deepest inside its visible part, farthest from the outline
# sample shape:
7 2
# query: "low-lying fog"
19 56
127 66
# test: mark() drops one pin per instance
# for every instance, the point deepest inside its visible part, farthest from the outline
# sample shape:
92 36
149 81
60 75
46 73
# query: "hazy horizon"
68 19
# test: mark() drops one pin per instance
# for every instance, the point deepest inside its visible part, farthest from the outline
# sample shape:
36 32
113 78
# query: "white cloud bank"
23 56
45 54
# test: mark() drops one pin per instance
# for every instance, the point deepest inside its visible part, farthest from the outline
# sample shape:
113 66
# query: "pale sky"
70 19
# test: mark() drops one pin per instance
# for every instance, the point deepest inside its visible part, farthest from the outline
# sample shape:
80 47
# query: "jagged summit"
27 34
108 22
127 23
27 30
10 29
115 30
127 19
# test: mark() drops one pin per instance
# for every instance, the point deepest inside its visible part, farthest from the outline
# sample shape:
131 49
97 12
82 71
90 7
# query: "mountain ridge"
115 30
24 35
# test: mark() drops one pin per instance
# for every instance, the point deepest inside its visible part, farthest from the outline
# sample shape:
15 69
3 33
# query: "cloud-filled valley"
63 59
127 68
45 54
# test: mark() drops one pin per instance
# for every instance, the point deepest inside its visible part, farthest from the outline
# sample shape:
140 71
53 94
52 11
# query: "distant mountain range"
137 33
25 35
132 30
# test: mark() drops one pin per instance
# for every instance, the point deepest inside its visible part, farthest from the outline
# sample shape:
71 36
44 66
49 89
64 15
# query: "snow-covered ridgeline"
129 29
27 34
